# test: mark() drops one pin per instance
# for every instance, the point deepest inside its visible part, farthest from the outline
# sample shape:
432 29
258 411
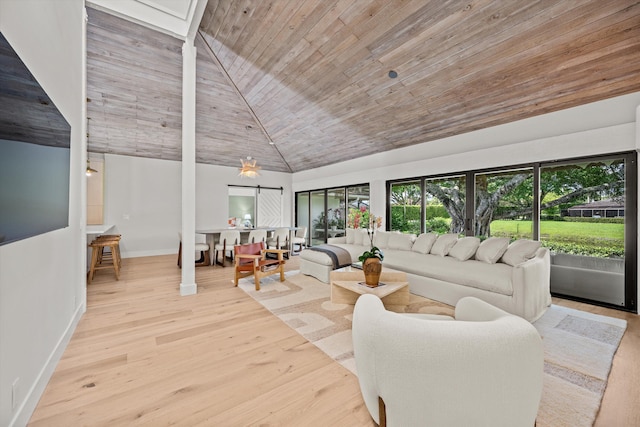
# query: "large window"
583 210
445 204
504 204
405 200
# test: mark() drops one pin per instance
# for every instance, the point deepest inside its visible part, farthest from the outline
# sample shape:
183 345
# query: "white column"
81 169
188 285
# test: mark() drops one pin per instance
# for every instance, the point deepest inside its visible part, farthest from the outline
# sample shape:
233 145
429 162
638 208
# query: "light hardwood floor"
143 355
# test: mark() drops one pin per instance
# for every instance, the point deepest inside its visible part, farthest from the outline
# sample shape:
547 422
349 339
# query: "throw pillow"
350 235
443 244
401 241
424 242
520 251
381 239
492 249
464 248
359 237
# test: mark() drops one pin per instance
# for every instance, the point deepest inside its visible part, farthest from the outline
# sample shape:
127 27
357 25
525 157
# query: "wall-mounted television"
34 154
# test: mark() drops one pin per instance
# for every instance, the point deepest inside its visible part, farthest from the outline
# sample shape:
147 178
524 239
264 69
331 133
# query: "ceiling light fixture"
89 170
393 74
249 168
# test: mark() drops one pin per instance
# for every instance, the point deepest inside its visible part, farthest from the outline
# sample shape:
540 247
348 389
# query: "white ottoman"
316 264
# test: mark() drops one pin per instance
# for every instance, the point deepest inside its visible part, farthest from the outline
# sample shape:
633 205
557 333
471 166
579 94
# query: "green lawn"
561 230
579 238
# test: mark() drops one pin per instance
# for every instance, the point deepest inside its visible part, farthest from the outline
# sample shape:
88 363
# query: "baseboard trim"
28 405
155 252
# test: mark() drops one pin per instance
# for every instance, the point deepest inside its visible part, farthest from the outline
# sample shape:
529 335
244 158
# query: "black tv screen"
34 154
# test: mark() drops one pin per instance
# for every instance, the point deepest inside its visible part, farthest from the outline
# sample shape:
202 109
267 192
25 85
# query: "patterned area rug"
579 347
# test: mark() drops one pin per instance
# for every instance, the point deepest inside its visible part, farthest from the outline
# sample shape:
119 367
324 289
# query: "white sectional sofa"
513 277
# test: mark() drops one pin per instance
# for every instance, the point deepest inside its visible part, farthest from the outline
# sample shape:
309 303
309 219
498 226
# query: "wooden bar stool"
101 262
108 256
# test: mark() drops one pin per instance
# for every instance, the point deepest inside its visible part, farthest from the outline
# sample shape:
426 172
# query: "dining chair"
300 239
256 236
279 239
201 247
228 239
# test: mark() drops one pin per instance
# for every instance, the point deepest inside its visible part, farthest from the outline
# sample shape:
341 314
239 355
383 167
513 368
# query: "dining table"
213 236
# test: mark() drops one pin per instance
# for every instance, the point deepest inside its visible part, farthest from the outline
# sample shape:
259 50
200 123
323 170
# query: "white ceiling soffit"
178 18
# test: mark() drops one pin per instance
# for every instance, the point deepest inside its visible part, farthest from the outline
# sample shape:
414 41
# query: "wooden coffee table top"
352 274
346 286
380 291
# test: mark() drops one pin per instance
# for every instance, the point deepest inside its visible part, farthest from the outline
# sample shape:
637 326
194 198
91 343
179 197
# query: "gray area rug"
579 346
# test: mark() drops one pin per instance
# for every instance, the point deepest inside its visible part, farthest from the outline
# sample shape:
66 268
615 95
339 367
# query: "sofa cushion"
424 242
350 235
464 248
401 241
381 239
360 237
490 277
520 251
443 244
492 249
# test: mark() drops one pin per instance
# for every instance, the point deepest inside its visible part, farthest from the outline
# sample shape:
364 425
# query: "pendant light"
249 168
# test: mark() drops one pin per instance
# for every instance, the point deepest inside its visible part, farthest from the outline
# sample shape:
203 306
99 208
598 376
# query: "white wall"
42 293
143 200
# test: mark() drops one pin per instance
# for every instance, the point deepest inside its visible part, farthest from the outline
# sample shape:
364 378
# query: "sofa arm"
531 285
332 240
472 309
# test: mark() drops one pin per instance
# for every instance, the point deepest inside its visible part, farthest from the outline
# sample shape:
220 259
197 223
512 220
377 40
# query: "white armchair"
483 368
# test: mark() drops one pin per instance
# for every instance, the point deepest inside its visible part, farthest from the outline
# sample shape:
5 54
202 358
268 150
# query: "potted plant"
372 259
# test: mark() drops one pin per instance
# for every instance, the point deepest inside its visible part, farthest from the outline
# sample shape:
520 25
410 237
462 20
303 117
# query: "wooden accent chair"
252 259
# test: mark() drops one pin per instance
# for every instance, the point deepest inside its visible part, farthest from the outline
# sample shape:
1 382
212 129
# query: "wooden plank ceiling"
27 114
312 76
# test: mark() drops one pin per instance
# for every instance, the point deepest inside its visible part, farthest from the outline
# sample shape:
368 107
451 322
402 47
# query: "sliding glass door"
584 208
318 230
358 206
302 212
329 212
336 207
